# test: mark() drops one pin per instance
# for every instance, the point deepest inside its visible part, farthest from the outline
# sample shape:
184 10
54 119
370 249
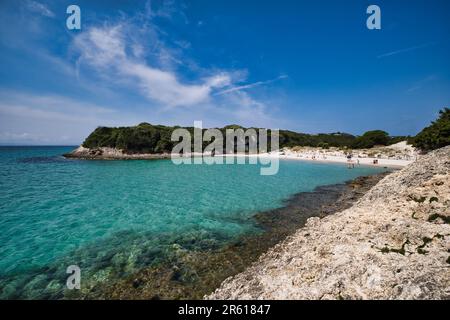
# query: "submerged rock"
194 265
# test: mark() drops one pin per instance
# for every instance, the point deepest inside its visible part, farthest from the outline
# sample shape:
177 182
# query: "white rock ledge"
105 153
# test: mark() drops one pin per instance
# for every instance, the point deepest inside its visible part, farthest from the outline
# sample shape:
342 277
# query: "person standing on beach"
350 163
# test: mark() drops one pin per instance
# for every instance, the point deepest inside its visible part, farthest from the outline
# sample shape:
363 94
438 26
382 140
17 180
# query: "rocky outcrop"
394 243
105 153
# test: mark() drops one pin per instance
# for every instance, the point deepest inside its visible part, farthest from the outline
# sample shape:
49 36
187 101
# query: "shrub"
371 138
435 136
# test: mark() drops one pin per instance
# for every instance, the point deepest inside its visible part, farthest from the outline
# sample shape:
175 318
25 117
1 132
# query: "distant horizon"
303 66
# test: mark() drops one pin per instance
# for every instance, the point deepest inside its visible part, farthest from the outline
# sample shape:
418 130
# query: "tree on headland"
371 139
435 136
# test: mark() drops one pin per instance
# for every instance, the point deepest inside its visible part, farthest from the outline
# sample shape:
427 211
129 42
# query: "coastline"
391 244
191 274
322 157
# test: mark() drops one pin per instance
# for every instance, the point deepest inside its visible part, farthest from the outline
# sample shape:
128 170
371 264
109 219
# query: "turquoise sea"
120 216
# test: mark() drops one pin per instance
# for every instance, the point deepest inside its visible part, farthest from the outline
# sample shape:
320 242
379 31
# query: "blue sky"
308 66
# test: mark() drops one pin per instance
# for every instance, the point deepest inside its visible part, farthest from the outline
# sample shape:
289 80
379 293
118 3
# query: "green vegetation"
337 139
435 136
144 138
371 139
147 138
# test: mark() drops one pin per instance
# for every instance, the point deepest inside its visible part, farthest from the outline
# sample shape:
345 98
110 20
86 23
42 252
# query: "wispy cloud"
50 107
40 8
46 118
420 84
250 85
392 53
249 110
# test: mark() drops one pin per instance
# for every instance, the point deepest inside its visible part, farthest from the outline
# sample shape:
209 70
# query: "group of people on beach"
350 162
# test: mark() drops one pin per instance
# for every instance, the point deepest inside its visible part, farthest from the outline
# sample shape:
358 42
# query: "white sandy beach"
391 163
398 155
394 156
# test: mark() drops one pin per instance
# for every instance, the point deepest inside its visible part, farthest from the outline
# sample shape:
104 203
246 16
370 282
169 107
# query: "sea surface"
112 218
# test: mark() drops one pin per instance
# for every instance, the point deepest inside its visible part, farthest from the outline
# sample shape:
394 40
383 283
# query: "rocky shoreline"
190 274
393 243
105 153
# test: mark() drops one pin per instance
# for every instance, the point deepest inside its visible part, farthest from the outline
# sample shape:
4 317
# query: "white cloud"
165 87
101 47
107 50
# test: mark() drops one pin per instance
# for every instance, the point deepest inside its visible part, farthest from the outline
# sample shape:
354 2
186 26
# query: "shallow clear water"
55 211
